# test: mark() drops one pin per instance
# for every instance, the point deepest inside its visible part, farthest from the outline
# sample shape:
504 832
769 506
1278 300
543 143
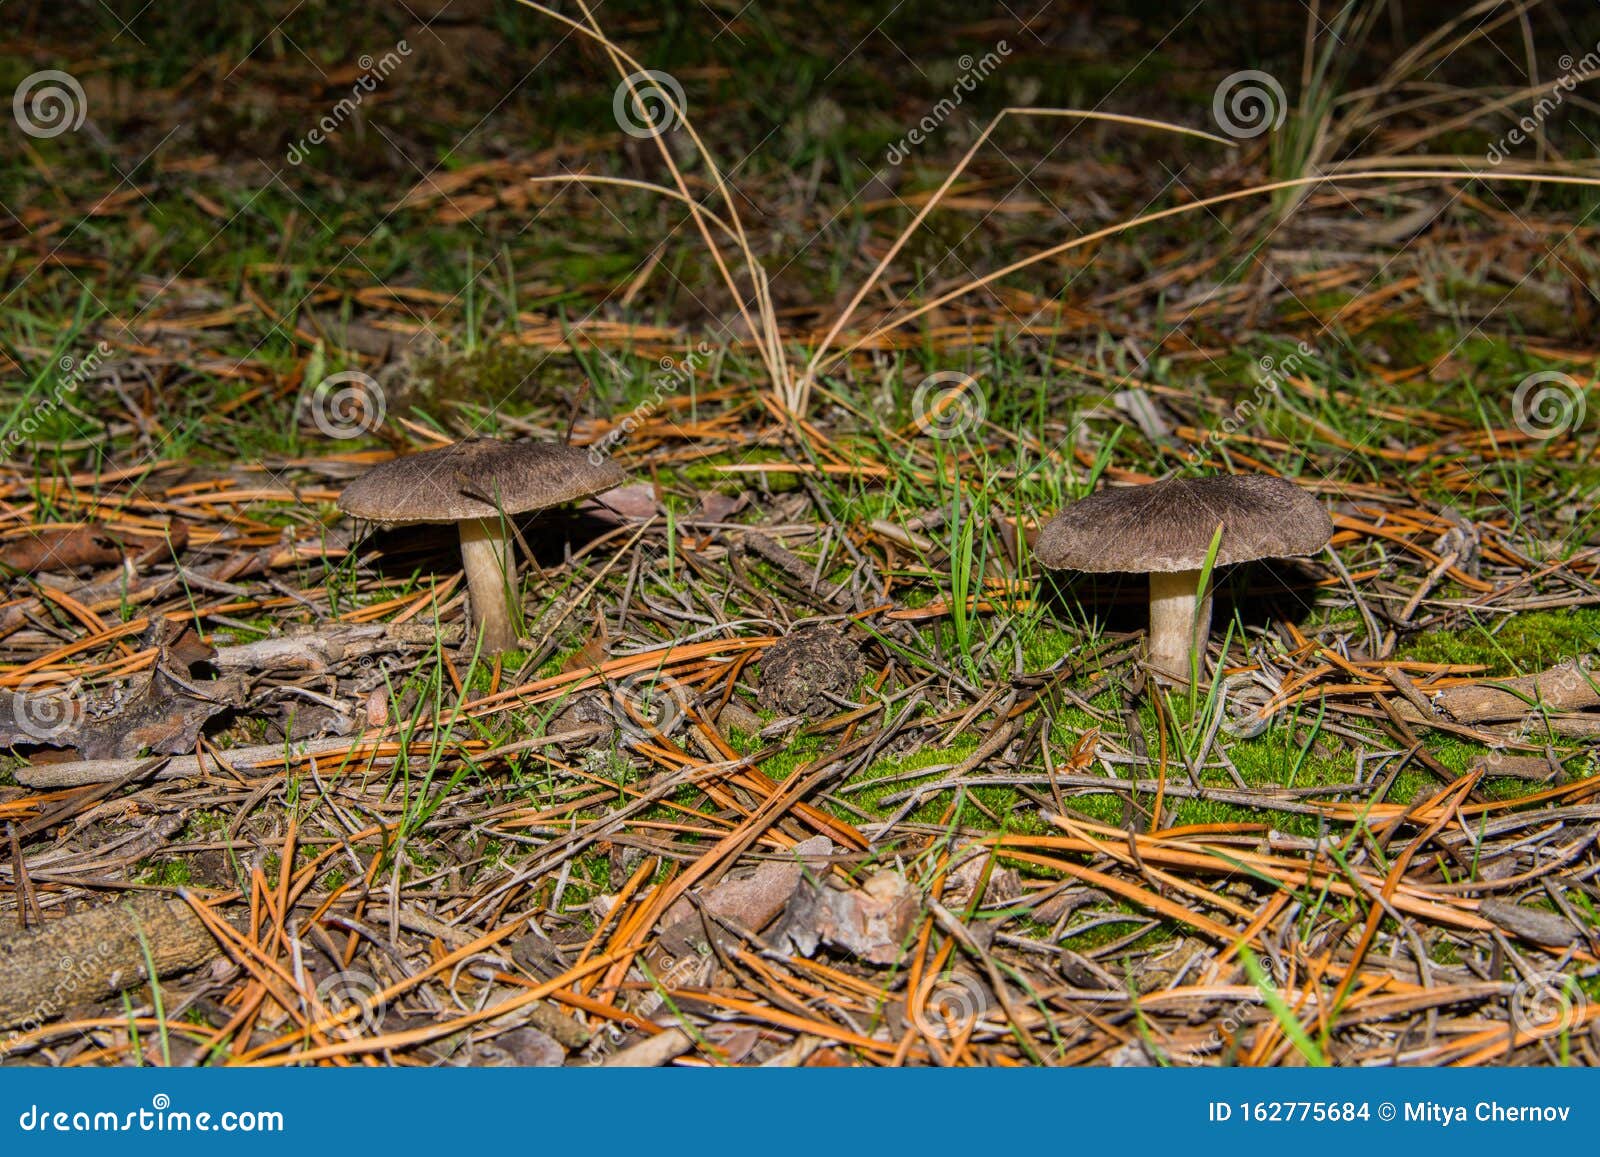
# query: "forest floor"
1364 835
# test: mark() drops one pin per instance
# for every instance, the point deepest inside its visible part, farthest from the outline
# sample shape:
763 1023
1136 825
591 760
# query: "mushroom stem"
491 574
1180 620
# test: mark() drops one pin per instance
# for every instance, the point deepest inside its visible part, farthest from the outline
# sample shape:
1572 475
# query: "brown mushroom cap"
1168 526
477 478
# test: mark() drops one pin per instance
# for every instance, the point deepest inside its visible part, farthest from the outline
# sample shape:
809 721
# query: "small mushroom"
479 484
1165 530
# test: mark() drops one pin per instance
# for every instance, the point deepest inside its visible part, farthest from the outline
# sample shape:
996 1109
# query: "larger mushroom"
1165 530
479 484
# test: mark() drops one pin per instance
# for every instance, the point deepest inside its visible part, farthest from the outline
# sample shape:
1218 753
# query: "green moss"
1511 644
869 798
166 873
743 742
205 822
799 753
1045 646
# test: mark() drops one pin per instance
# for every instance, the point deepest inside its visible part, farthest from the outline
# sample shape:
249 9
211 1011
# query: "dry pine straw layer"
458 949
